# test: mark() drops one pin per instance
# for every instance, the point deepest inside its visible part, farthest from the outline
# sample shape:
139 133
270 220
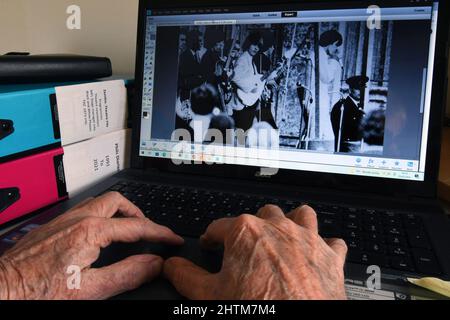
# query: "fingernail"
178 237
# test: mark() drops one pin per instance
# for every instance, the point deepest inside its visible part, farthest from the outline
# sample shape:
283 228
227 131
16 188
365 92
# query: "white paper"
88 163
90 110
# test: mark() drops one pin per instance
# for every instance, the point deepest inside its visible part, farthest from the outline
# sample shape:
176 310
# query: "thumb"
190 280
122 276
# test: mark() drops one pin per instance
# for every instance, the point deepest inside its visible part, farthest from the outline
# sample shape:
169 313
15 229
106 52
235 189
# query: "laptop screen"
321 88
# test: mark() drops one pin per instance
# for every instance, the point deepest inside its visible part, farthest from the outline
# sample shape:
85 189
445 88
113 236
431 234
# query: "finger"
190 280
111 203
339 246
306 217
270 212
132 230
120 277
216 232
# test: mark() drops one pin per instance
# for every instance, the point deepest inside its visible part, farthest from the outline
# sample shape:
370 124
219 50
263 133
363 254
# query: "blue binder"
28 120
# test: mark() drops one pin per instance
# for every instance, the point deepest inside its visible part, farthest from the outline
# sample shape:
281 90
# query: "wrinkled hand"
36 268
270 256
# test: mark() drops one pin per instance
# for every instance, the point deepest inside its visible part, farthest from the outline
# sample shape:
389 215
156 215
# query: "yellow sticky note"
433 284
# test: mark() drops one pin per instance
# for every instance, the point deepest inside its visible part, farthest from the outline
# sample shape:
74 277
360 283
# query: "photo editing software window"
333 90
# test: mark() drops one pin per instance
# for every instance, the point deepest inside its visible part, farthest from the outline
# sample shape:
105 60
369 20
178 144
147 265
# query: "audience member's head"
204 100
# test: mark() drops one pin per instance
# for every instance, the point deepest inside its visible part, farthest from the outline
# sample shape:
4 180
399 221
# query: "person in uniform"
347 116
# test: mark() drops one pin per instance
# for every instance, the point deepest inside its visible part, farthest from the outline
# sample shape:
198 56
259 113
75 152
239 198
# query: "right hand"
270 256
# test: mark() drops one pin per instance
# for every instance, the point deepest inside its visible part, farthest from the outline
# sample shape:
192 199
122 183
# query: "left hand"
37 267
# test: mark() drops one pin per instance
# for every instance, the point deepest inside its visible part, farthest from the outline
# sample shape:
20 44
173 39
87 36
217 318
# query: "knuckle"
271 207
246 221
116 196
89 223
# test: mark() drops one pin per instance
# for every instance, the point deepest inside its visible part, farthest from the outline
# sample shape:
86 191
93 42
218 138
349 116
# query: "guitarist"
263 62
246 78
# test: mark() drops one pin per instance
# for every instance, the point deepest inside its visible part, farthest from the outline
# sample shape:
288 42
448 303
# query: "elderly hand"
37 267
270 256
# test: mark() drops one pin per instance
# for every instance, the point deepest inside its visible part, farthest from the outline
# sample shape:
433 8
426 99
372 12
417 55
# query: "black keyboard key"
392 219
398 251
331 234
328 214
368 258
328 222
402 263
373 228
352 225
130 189
354 244
394 231
117 187
375 247
426 262
351 234
396 241
353 210
374 237
351 217
418 239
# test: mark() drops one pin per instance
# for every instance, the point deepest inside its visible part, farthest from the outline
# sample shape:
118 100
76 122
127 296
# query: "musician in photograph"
330 70
182 43
263 62
233 52
190 75
347 117
248 83
214 59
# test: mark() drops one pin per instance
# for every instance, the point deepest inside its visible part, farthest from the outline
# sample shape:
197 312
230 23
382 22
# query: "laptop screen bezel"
381 186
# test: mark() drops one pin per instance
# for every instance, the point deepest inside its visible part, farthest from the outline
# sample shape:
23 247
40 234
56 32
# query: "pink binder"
31 183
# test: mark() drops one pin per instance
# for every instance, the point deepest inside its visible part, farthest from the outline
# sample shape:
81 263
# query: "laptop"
335 104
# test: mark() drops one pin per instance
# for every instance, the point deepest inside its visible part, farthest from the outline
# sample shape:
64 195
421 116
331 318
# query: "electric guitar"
224 71
250 98
183 109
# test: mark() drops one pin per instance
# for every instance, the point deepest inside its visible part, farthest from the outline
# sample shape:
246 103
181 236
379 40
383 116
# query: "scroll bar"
424 88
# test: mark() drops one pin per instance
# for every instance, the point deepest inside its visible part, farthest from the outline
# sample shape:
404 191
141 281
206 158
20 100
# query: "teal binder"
29 118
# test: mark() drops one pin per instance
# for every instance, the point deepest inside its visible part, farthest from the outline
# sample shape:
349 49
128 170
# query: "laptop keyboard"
387 239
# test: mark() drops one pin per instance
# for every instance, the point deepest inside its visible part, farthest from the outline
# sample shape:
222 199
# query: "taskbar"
192 158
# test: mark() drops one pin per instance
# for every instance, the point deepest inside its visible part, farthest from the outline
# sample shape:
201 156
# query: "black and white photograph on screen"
322 87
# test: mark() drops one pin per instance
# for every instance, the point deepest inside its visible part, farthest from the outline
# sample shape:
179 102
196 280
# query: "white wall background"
108 28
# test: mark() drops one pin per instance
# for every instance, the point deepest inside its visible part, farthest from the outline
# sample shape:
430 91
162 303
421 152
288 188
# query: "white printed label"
87 163
90 110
